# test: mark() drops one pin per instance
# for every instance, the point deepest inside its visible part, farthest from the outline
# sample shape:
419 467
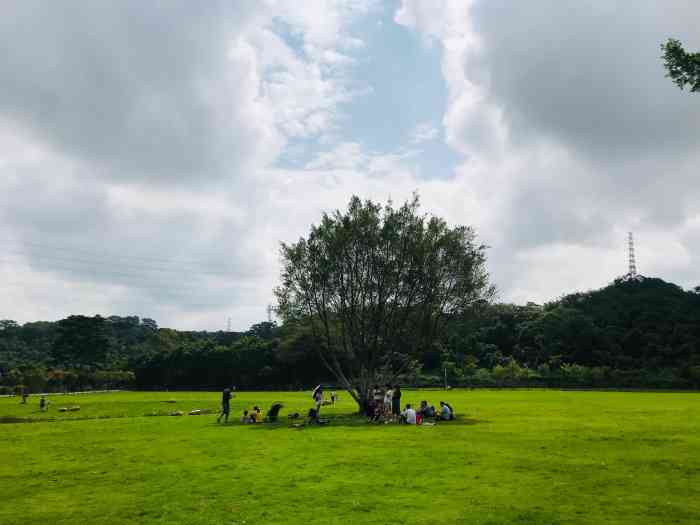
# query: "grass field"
525 457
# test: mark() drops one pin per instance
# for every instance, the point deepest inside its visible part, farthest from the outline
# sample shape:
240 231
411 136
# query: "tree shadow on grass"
12 419
351 420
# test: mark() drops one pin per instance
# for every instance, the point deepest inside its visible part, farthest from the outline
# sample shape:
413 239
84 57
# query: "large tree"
683 67
376 285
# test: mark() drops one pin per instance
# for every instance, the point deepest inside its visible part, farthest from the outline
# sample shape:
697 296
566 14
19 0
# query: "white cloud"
157 148
134 145
567 143
424 132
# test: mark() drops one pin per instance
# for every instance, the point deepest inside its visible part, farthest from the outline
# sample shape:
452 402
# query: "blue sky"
397 73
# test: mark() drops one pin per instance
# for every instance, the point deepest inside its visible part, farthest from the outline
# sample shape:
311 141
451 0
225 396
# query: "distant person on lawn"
333 397
446 413
388 395
378 395
426 410
43 404
396 402
318 398
245 418
225 405
409 415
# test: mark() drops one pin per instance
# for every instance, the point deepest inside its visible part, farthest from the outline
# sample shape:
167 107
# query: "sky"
153 155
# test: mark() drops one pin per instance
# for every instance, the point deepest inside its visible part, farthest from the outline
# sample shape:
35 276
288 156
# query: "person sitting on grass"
245 418
426 410
369 407
376 413
446 413
408 416
256 416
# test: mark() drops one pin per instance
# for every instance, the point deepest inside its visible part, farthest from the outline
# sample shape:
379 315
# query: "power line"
90 270
111 255
97 261
167 290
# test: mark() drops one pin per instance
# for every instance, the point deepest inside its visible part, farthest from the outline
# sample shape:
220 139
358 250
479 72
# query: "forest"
634 333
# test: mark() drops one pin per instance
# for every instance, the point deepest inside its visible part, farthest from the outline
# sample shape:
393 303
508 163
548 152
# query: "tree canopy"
682 67
634 333
376 285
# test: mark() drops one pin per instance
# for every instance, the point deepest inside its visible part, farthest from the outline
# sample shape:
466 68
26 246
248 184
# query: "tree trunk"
362 400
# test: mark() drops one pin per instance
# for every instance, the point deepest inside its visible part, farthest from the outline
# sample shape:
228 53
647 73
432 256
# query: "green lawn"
513 457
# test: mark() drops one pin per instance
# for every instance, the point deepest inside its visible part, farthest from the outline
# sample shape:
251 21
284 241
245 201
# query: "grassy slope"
514 457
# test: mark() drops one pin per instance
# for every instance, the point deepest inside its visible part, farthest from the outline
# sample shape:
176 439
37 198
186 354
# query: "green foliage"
682 67
376 285
642 333
638 332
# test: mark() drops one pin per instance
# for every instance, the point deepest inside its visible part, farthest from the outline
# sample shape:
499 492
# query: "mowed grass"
525 457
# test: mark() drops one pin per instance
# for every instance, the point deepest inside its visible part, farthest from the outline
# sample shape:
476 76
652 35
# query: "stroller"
313 419
274 412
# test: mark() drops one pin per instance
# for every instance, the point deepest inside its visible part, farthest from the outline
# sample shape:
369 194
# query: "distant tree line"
633 333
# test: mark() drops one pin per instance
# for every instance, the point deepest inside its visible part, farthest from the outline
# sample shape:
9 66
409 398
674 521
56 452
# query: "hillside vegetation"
632 333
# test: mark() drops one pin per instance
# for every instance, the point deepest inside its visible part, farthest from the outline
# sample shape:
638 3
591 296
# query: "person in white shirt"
409 415
388 394
318 399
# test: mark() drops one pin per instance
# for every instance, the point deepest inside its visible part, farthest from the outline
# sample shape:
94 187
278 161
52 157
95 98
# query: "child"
245 418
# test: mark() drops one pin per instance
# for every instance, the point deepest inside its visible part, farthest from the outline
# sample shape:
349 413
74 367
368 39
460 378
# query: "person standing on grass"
396 402
378 397
318 398
333 397
225 405
388 395
43 404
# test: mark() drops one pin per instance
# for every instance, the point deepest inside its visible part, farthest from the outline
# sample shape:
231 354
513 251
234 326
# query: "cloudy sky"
154 154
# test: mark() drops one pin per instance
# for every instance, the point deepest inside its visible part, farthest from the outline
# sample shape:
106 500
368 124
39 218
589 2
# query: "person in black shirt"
225 405
396 403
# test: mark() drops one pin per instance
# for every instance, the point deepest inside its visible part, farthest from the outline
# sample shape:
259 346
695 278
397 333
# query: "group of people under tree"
412 416
384 405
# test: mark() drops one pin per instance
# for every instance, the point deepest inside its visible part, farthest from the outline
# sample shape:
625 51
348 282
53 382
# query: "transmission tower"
270 309
632 272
